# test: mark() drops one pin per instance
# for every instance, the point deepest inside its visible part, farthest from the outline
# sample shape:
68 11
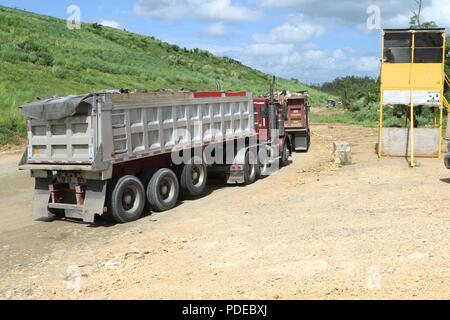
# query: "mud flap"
41 198
236 175
94 200
301 142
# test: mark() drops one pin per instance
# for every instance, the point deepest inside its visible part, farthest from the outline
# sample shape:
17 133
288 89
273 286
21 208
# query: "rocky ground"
373 229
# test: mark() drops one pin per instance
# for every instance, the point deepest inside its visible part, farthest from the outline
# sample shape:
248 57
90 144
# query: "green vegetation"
41 57
358 102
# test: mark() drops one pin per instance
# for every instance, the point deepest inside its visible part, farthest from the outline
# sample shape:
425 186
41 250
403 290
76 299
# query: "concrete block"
396 142
447 133
342 153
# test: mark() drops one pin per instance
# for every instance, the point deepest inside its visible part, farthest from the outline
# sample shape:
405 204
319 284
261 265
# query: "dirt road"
374 229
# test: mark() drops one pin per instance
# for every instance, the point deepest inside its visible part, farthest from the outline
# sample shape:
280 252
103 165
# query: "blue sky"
311 40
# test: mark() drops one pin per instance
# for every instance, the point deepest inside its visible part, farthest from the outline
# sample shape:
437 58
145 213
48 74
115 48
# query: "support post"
444 78
441 124
435 117
411 117
406 116
380 137
412 130
380 134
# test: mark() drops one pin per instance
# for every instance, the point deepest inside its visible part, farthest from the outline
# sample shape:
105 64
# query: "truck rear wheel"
194 177
145 177
309 141
127 199
163 190
285 155
250 170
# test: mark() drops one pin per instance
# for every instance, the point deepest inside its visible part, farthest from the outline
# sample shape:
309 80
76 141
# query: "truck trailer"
118 154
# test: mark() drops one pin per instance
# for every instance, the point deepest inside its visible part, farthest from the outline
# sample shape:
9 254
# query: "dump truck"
296 122
117 154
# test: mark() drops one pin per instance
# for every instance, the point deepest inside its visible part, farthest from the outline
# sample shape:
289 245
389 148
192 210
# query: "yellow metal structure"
446 103
412 74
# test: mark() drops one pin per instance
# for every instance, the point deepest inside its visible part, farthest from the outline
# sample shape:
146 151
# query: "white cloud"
339 59
111 24
346 10
438 11
217 29
311 65
310 46
314 55
368 64
394 13
397 21
291 59
265 49
434 10
290 50
294 31
216 10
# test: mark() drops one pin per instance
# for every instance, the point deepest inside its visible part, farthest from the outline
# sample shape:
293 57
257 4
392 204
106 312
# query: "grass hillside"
39 56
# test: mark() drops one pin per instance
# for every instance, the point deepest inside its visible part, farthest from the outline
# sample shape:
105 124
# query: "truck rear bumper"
87 172
93 204
299 138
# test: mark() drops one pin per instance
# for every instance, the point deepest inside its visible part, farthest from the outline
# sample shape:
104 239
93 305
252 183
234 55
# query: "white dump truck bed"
143 125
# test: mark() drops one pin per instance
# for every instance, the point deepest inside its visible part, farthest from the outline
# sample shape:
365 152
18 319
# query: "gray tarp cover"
54 108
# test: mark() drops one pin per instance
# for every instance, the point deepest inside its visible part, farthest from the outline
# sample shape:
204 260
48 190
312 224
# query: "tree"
429 24
415 18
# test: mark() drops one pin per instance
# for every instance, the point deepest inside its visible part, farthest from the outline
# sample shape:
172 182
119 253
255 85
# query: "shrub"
34 53
60 72
96 26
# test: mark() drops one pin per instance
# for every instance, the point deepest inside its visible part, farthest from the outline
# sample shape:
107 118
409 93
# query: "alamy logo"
74 20
73 278
374 20
235 151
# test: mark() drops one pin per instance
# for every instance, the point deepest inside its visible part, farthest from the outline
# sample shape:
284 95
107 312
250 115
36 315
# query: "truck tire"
284 155
163 190
262 169
250 170
145 177
309 142
127 199
194 177
258 169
